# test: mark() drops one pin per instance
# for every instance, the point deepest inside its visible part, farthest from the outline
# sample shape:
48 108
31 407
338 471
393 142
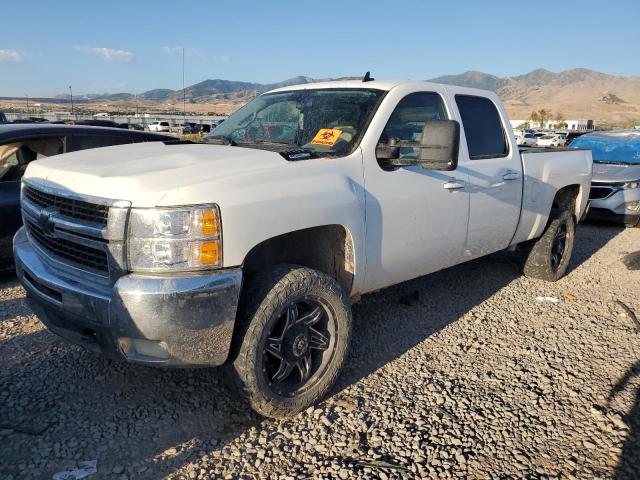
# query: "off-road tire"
265 296
538 263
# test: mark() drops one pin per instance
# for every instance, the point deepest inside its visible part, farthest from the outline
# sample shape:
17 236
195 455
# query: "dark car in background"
20 144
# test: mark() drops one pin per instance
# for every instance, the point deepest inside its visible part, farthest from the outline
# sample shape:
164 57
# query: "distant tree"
544 116
560 123
534 118
524 125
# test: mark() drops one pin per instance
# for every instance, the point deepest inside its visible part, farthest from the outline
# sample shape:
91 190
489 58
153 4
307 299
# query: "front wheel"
550 255
293 337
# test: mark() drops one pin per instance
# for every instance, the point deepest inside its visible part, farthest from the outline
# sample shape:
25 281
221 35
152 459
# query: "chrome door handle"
511 176
453 185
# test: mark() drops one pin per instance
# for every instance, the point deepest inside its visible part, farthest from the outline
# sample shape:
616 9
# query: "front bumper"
622 206
165 320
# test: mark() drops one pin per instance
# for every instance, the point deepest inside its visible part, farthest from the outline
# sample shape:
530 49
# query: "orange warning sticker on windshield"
326 136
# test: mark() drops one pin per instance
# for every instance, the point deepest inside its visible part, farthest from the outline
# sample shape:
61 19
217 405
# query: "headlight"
631 185
174 239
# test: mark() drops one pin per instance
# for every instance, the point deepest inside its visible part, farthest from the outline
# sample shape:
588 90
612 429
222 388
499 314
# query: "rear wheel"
293 339
550 255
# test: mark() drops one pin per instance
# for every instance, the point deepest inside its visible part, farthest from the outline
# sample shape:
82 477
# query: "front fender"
307 194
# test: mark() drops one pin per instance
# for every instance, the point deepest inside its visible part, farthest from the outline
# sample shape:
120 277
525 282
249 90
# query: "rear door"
495 175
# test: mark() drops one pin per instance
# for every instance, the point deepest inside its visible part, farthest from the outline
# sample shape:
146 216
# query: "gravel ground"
461 374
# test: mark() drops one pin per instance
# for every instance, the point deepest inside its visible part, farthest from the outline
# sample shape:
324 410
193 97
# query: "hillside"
576 93
579 92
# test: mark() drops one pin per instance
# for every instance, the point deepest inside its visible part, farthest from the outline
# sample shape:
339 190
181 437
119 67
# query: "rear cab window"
486 137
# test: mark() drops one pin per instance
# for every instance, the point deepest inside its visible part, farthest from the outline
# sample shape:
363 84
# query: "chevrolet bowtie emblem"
45 219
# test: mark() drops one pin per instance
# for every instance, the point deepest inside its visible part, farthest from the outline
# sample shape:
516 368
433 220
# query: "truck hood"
153 174
612 173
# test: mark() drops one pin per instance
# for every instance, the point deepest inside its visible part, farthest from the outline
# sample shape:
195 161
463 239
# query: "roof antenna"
367 77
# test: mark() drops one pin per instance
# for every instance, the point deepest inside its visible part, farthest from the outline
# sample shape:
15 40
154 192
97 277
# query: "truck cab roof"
384 85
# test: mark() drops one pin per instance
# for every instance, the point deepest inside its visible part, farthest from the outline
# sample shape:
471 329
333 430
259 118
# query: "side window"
482 127
15 157
83 142
407 120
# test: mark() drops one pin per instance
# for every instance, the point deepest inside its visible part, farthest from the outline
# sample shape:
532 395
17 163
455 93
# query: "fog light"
633 206
134 347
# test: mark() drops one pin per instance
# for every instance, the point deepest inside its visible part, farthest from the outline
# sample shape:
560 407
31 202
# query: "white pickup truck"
249 248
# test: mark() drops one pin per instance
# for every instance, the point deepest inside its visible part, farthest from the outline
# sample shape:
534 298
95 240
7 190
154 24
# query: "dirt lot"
462 374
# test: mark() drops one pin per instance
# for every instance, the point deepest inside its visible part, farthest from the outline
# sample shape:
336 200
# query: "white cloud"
10 56
107 53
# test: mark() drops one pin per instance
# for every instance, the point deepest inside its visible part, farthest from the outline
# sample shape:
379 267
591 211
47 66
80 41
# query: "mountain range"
576 93
579 92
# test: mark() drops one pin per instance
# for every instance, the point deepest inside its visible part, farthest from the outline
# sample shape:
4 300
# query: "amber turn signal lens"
209 253
209 223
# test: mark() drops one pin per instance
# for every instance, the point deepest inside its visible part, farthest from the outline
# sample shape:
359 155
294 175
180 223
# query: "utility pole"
71 93
184 94
27 95
137 115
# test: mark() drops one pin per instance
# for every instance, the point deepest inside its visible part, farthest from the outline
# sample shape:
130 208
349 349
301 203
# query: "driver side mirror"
438 149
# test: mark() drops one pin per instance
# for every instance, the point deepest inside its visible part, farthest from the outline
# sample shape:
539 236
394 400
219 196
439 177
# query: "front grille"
69 207
598 193
80 255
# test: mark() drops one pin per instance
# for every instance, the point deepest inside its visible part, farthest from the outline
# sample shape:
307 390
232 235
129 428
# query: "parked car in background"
551 140
101 123
248 247
184 128
30 120
527 140
615 188
159 126
20 144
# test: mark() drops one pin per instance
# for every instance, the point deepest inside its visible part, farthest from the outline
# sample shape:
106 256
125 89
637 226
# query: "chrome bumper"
168 320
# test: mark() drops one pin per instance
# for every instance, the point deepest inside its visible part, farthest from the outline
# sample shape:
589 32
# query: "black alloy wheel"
298 346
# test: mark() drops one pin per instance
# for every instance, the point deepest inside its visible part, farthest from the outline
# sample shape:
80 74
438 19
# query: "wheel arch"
327 248
568 198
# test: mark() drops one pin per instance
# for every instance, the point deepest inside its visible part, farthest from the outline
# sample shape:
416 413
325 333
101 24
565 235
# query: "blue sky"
135 45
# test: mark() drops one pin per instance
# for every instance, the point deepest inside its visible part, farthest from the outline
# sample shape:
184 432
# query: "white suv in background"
527 140
551 140
159 127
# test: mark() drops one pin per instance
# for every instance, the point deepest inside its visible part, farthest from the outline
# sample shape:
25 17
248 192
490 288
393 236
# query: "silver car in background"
615 188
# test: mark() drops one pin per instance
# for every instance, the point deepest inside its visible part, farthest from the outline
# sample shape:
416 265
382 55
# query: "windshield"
329 122
621 149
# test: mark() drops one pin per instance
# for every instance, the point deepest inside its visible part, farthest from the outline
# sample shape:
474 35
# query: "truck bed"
545 171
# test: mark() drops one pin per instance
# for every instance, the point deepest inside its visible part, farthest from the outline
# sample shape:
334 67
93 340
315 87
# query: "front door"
416 219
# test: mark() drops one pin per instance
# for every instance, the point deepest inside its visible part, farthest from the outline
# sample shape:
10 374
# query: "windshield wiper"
273 142
219 140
